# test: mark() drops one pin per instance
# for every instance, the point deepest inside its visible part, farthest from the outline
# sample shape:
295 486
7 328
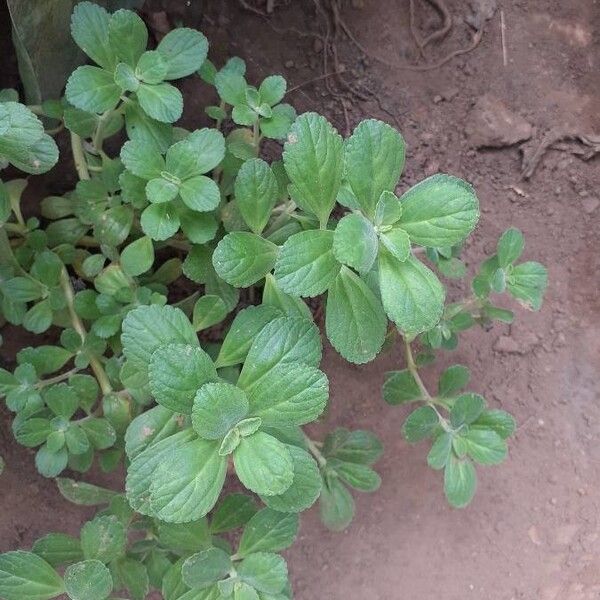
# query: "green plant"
128 379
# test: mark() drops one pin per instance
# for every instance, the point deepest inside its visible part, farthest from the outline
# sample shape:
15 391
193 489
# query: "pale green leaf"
184 50
162 102
440 211
355 242
374 161
460 481
217 408
176 372
88 579
355 321
268 531
92 89
24 575
242 258
314 161
527 283
400 387
412 295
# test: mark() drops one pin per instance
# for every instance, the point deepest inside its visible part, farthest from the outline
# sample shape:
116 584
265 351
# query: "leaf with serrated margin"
176 372
355 321
268 531
374 162
306 265
439 211
412 295
314 160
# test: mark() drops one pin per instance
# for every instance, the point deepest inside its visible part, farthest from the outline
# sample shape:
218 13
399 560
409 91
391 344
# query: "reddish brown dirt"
532 532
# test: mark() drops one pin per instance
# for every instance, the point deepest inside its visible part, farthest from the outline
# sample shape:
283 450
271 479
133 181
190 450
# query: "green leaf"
134 576
374 161
176 372
145 463
76 439
58 549
274 296
127 36
244 328
151 67
355 242
32 432
90 30
142 160
231 87
209 148
190 537
306 265
50 463
146 328
497 420
362 447
208 311
103 539
234 511
292 394
440 451
453 379
217 408
268 531
412 295
285 339
187 484
388 209
21 289
200 193
278 125
160 221
527 283
272 89
355 322
100 433
138 257
26 575
82 493
242 258
510 247
485 446
314 160
92 89
162 101
400 387
88 579
460 481
305 488
264 571
242 114
440 211
397 243
466 409
184 50
336 505
141 128
256 193
420 424
263 464
205 568
360 477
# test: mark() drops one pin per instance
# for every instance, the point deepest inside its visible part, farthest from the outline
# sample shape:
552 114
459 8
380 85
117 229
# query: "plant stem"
79 157
411 365
314 450
78 326
57 379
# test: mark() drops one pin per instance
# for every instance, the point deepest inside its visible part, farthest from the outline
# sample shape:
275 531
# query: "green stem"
79 157
411 365
314 450
57 379
78 326
256 137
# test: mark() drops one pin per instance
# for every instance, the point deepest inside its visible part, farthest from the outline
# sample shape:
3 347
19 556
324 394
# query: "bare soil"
532 532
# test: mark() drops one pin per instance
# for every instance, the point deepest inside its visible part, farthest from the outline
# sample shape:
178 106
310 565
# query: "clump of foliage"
127 380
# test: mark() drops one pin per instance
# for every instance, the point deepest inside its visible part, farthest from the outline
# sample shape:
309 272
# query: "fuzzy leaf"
355 242
92 89
184 50
314 160
374 162
26 575
88 579
242 258
176 372
217 408
440 211
263 464
460 481
256 193
412 295
268 531
527 283
355 321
